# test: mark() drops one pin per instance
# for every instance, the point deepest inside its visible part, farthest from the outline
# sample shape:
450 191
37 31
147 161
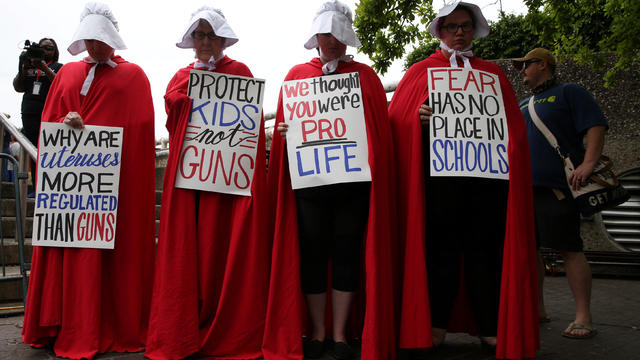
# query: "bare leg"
317 304
489 340
341 305
542 311
579 277
438 335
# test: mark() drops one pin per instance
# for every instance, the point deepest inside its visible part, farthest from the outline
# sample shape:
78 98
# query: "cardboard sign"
221 141
77 188
468 128
327 136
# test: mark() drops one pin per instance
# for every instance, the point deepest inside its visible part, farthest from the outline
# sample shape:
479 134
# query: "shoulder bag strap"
543 128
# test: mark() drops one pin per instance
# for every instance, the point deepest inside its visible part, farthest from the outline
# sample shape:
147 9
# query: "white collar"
463 54
92 72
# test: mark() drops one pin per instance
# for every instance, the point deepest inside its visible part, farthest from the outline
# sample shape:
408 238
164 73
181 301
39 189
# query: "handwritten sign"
468 128
221 141
77 188
327 136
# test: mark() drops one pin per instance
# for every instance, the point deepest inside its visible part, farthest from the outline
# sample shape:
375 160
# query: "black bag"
602 190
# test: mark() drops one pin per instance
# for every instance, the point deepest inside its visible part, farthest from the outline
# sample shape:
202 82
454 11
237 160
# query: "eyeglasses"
200 35
48 47
453 28
526 63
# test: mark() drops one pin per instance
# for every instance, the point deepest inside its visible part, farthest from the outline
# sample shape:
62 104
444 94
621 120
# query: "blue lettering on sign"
475 160
460 155
225 106
199 109
501 151
300 171
65 201
253 122
483 148
317 159
328 158
347 157
439 166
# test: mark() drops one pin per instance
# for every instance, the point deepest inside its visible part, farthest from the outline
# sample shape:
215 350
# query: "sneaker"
342 351
313 349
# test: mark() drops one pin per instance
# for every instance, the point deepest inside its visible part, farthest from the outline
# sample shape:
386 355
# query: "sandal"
591 331
544 319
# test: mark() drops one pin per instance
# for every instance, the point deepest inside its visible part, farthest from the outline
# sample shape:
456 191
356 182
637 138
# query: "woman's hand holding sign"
74 120
425 112
283 128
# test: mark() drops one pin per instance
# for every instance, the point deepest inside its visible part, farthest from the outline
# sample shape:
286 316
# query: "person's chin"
461 45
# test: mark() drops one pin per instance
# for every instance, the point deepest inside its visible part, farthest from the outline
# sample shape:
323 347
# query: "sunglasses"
48 47
526 63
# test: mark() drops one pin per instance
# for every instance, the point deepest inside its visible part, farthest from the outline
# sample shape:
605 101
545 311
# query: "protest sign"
77 186
468 128
327 136
221 140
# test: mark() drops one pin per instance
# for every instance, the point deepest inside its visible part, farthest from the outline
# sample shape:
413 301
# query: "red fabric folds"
87 301
518 332
212 275
286 309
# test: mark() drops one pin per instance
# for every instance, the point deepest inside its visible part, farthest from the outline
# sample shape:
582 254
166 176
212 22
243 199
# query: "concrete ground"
616 314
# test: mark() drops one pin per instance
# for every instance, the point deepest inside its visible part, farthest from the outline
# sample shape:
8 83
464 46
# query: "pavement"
616 315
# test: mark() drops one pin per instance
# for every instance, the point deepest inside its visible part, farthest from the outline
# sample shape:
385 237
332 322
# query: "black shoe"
342 351
313 349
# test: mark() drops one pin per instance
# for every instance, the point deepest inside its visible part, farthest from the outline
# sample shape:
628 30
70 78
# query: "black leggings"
465 223
332 220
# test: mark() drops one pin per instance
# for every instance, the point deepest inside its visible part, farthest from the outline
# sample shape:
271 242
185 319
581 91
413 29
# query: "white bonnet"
96 23
479 21
333 17
218 22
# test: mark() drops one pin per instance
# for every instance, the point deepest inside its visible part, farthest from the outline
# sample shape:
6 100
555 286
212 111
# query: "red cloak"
212 276
88 301
518 332
286 310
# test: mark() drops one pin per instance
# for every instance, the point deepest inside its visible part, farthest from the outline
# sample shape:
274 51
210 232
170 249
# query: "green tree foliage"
385 27
510 37
421 52
586 29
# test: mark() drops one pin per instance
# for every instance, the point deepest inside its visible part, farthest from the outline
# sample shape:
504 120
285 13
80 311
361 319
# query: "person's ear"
543 65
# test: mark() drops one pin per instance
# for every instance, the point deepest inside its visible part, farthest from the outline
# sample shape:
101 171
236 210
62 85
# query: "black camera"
32 51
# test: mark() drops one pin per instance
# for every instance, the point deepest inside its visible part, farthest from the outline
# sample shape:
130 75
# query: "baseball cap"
537 53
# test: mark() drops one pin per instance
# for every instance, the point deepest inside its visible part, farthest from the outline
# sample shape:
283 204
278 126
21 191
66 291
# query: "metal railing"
19 236
27 152
623 222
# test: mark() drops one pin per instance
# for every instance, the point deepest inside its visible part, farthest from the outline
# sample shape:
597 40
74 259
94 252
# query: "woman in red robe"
88 301
485 224
354 220
212 272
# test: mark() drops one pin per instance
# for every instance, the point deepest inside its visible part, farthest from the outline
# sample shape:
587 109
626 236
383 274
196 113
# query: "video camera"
32 51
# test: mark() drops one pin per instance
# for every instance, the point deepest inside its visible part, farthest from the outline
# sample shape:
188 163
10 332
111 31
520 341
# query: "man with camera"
36 70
